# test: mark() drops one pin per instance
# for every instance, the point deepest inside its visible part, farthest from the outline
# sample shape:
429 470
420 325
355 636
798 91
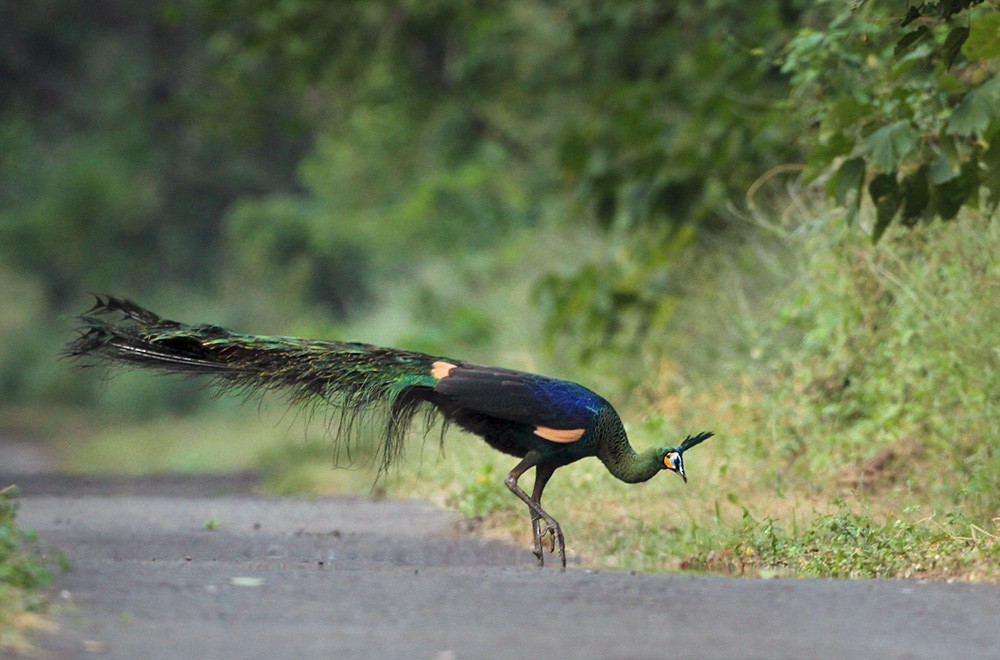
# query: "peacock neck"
625 462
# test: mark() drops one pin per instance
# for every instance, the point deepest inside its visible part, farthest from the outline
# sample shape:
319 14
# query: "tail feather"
362 381
133 343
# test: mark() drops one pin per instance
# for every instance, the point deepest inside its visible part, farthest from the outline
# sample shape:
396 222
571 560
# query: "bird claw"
553 534
552 539
558 543
536 532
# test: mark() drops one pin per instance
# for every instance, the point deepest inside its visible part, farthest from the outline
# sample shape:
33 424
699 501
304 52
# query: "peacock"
545 422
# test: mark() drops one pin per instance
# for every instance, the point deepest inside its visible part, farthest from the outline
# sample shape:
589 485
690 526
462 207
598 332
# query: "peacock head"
673 459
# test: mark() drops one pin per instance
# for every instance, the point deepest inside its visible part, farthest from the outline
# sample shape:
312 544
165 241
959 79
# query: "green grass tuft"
22 576
848 544
481 497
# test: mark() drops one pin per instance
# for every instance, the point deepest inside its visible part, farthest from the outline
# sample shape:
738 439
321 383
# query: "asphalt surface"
354 578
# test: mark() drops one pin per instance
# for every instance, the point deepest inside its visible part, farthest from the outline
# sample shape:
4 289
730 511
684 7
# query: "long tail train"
362 381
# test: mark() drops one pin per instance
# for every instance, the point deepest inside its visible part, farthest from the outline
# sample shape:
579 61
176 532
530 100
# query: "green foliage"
853 545
901 110
283 246
22 574
839 369
680 109
898 350
870 367
414 107
483 495
644 118
911 103
18 569
681 115
612 307
112 154
112 175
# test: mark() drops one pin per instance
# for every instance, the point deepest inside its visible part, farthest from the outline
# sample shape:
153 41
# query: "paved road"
352 578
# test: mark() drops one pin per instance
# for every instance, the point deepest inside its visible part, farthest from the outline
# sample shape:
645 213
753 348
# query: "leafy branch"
907 108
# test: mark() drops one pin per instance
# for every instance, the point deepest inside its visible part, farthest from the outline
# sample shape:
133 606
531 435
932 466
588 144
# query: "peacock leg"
542 475
532 459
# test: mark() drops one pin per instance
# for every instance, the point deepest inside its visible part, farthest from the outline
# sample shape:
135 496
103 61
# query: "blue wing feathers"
574 401
521 397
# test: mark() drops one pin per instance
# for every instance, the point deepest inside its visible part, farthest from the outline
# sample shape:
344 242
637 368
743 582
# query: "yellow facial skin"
672 462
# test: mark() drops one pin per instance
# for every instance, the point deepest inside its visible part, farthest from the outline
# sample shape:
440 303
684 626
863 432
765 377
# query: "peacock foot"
536 534
556 542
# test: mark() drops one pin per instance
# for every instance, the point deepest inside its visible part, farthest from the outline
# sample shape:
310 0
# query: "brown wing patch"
559 435
441 369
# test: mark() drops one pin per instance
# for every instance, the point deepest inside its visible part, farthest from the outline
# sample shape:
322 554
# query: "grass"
869 378
854 545
225 441
22 577
855 391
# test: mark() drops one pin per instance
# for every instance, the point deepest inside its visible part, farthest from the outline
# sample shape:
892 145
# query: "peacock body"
546 422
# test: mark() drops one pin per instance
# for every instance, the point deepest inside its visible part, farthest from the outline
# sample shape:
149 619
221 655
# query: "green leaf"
573 153
942 170
991 174
824 153
984 38
889 145
974 113
949 197
885 193
953 45
916 195
845 186
846 179
948 8
840 115
912 14
911 38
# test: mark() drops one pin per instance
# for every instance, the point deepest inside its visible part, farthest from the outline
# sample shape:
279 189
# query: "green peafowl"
545 422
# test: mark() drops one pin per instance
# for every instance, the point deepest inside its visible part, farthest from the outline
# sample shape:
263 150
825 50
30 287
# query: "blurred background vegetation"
767 219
